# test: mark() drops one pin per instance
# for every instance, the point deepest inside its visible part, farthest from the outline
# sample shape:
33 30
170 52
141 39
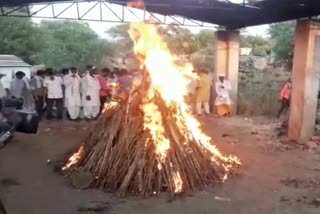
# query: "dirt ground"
275 177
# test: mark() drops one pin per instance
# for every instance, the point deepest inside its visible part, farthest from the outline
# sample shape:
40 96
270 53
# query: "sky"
101 27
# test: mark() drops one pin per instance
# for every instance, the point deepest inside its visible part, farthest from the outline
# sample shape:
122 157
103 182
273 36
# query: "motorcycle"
13 119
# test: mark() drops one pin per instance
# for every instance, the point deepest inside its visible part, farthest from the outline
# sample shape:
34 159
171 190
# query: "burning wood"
150 142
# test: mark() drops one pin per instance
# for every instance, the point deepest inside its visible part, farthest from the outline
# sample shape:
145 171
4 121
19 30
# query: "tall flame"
171 82
153 122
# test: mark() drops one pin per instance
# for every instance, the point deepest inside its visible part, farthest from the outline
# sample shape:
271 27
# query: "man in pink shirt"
104 89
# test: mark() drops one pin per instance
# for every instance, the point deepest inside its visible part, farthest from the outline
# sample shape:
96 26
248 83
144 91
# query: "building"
9 65
245 51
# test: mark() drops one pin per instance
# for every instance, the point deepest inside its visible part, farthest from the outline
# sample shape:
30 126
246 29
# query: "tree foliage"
20 37
70 43
56 44
180 40
119 31
282 36
205 38
260 46
204 58
121 36
197 47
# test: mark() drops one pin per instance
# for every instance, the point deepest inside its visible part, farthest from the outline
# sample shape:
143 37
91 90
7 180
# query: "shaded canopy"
220 12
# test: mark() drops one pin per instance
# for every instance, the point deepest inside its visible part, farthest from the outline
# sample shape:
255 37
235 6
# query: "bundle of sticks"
122 156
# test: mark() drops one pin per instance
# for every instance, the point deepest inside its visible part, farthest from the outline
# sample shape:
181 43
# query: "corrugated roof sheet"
220 12
12 61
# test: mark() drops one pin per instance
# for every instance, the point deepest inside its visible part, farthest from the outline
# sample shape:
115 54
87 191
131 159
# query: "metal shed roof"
220 12
12 61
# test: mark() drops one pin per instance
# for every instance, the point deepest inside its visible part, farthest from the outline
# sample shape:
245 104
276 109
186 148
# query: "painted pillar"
227 60
305 81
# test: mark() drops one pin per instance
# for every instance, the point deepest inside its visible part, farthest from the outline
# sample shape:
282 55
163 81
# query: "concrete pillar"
305 81
227 59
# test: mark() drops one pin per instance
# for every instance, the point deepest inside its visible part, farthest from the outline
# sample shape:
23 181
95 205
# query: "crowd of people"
48 90
200 91
51 94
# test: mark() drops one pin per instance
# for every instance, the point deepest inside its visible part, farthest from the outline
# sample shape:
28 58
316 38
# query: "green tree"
199 48
204 58
260 46
69 43
119 31
205 38
20 37
281 35
121 36
180 40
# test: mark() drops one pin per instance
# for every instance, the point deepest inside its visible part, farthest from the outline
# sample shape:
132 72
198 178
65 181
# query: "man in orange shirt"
104 89
285 97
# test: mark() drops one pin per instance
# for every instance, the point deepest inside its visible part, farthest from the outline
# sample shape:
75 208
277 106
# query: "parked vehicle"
13 120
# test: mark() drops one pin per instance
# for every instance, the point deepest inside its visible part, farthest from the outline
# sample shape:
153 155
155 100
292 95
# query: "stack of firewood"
122 156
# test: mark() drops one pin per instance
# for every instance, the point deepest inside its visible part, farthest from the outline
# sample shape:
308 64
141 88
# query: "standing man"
203 92
113 83
72 82
191 87
53 85
90 89
104 89
64 72
223 101
17 85
88 68
38 91
3 92
28 101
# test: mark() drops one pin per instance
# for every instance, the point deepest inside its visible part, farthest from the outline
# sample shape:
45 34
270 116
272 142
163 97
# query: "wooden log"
121 154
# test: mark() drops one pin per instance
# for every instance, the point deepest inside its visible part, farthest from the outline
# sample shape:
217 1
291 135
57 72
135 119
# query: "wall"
305 81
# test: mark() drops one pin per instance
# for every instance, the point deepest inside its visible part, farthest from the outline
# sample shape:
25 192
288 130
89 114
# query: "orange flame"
177 182
110 105
153 122
171 82
74 158
114 85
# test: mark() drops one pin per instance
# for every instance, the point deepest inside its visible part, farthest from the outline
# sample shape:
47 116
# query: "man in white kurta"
223 101
72 82
90 89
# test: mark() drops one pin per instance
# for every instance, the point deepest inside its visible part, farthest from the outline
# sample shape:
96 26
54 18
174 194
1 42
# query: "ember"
150 142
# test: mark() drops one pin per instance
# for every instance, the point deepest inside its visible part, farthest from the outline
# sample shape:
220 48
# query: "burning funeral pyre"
150 142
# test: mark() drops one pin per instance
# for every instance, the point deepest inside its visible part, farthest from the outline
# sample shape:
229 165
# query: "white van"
9 65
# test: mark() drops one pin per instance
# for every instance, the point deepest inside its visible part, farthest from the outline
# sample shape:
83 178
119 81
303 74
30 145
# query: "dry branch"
122 155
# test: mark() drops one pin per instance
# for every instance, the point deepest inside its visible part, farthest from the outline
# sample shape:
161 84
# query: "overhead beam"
103 12
223 13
